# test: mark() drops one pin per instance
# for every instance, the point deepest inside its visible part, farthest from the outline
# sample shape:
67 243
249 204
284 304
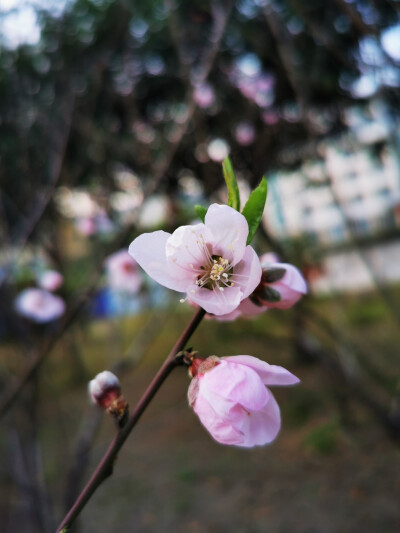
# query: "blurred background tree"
115 116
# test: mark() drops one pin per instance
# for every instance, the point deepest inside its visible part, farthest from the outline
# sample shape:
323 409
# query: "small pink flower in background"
86 226
123 272
50 280
245 133
269 257
204 95
231 398
210 262
39 305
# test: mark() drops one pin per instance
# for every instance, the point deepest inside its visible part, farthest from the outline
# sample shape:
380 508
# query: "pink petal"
215 301
149 251
262 427
234 383
247 273
186 250
269 374
229 229
246 309
220 428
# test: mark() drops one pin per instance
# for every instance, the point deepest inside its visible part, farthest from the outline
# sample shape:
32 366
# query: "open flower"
123 272
230 397
210 262
39 305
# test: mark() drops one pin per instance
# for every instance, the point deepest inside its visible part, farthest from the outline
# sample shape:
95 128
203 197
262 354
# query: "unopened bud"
105 391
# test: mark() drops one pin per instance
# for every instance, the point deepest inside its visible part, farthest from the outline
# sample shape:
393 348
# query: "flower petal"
236 383
149 251
220 428
229 229
247 273
186 250
262 427
269 374
215 301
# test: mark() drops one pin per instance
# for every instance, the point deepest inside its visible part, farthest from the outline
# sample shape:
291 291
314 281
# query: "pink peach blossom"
210 262
204 95
123 272
230 397
39 305
50 280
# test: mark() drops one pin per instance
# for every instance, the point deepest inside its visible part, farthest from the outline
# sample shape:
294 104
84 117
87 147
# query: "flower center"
216 274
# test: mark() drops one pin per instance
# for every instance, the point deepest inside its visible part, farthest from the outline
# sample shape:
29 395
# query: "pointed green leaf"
201 212
231 183
254 208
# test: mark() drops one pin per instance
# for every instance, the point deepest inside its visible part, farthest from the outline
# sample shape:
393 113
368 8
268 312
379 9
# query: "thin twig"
105 467
93 417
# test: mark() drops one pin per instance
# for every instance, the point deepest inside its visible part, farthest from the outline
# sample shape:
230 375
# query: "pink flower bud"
105 391
230 397
50 280
282 285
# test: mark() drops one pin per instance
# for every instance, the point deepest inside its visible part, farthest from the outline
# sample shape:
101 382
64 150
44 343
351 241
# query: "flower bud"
105 391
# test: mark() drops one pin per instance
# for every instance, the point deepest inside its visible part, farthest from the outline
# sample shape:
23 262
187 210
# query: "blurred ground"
332 469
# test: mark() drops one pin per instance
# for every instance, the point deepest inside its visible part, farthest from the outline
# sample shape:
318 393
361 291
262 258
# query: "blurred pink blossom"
86 226
123 272
230 397
39 305
204 95
245 133
210 261
50 280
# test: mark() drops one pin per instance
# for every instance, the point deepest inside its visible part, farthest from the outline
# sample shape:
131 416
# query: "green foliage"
231 183
254 208
201 212
323 439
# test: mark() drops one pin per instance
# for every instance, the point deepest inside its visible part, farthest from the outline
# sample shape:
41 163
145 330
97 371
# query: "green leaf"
231 183
270 275
254 208
201 212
